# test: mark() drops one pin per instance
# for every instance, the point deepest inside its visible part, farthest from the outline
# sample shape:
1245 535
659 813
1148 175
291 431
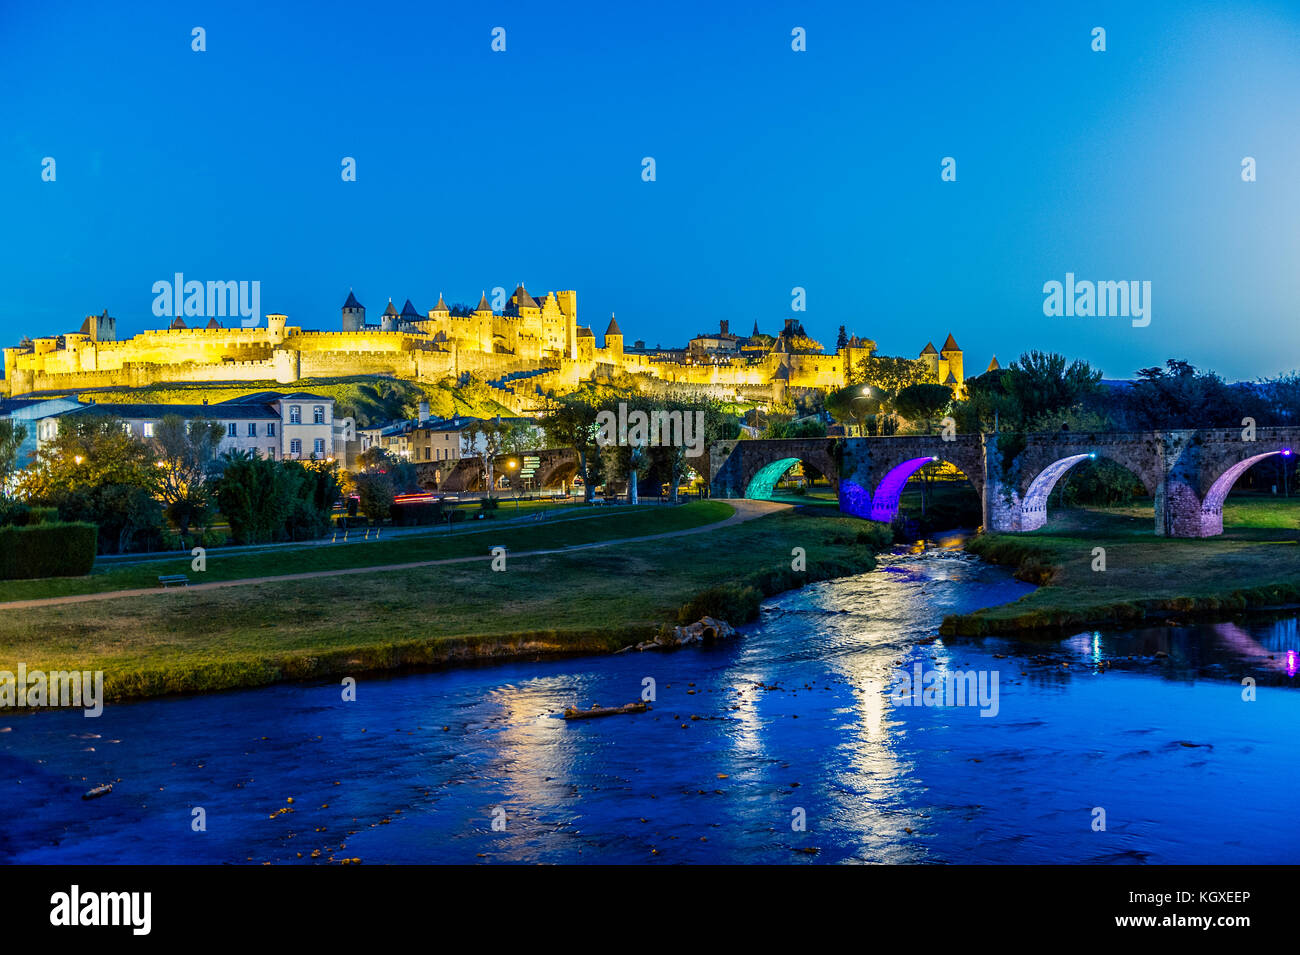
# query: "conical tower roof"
613 327
950 344
993 365
408 310
483 305
179 323
929 349
213 323
441 306
352 301
390 310
522 299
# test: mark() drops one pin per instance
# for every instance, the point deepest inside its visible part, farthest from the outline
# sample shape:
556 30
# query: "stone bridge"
557 466
1188 473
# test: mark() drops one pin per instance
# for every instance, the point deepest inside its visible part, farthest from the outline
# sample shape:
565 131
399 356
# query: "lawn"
588 601
1254 563
465 540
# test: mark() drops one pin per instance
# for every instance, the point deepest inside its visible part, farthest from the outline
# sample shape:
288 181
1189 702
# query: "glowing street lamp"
512 464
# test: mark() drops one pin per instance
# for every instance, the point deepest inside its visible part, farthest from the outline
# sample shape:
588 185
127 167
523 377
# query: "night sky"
775 168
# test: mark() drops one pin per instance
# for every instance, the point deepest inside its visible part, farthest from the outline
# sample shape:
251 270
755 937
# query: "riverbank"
1253 565
595 597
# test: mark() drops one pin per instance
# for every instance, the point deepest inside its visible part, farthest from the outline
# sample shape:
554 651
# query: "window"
295 414
270 453
126 426
318 414
426 453
270 429
148 429
295 446
252 429
231 429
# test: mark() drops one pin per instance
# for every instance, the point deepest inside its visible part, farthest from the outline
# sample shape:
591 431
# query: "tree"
854 404
402 474
375 494
93 470
185 452
483 440
12 436
890 374
256 496
572 424
923 402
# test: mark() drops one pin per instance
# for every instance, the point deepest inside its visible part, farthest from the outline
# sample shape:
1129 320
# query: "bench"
170 579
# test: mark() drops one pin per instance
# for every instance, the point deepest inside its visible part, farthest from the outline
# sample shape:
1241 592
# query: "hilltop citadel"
525 350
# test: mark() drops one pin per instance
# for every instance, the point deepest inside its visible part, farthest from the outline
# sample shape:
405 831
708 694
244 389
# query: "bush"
734 603
489 503
47 550
416 513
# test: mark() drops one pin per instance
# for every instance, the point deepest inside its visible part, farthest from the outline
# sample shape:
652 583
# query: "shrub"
47 550
489 503
734 603
416 513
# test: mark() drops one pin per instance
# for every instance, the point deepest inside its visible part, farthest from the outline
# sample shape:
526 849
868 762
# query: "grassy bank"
467 540
588 601
1255 564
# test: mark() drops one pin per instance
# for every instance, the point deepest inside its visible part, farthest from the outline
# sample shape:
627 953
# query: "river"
784 745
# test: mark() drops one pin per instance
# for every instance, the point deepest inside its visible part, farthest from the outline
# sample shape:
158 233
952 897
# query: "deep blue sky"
775 169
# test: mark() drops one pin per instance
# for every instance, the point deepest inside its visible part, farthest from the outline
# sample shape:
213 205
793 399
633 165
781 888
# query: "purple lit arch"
884 503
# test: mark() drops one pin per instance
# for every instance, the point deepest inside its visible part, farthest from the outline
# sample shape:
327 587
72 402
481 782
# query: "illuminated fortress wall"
527 349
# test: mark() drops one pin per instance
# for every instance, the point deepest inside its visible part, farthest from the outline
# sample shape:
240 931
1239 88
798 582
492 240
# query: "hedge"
47 550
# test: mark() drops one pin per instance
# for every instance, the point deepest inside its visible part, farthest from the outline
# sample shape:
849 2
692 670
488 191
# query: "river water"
785 745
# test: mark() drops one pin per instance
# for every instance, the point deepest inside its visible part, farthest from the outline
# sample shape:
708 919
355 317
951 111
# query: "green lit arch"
763 483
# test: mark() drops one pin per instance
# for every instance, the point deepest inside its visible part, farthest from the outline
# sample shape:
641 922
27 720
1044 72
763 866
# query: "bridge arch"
1212 505
885 499
763 483
1054 460
1033 506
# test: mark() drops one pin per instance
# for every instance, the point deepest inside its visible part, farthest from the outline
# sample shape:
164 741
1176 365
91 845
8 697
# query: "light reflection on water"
785 719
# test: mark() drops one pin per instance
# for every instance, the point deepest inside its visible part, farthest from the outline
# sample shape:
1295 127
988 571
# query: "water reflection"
792 721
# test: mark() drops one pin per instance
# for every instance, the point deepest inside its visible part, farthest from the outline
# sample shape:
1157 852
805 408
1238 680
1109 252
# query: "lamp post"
864 396
512 465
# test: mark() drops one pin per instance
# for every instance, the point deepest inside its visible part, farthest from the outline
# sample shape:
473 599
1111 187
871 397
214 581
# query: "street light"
865 396
512 464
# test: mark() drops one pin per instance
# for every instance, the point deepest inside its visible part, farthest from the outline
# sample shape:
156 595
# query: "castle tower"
388 321
100 328
930 355
780 383
410 315
275 323
354 314
993 365
614 340
568 302
483 323
951 355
